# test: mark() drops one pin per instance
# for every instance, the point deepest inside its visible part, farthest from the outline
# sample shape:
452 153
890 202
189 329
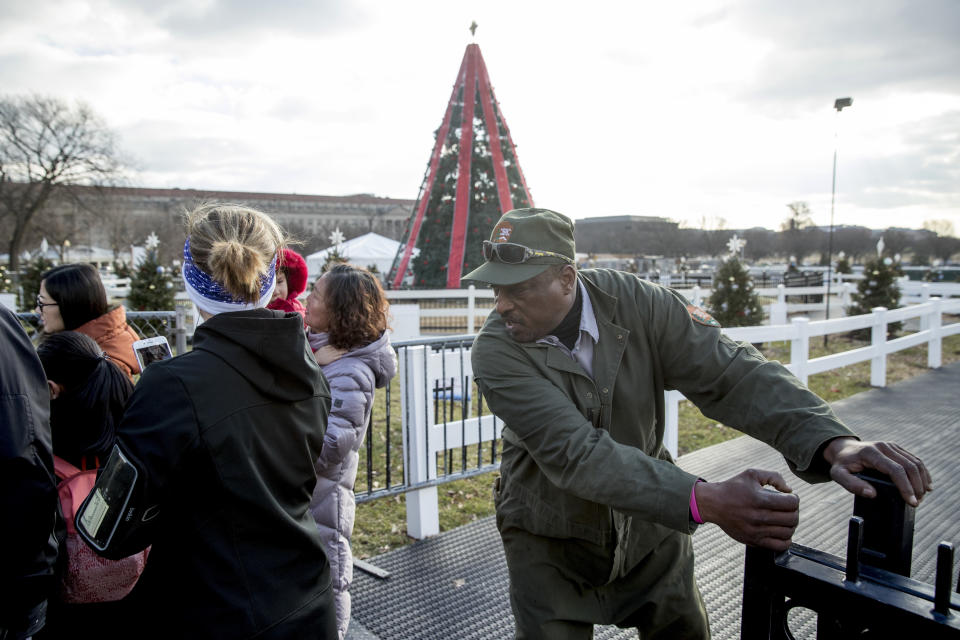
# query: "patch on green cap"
537 229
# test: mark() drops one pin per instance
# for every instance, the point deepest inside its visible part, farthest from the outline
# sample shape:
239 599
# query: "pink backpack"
88 577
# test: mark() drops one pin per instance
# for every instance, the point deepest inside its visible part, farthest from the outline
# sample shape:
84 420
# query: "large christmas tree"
151 287
453 215
734 302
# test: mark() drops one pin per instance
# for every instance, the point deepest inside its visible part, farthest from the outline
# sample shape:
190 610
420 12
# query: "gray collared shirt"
582 350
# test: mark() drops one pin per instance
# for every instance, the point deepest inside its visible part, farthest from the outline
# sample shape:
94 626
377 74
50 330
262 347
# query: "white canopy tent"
363 251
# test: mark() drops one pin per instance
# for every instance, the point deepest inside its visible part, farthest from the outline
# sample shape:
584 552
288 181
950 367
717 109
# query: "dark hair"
357 306
78 291
85 416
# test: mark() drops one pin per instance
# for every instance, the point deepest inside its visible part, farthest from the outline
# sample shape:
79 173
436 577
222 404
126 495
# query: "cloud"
217 20
925 172
714 107
823 49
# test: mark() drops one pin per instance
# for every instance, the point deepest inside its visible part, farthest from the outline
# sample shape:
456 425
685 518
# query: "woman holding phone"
224 440
72 298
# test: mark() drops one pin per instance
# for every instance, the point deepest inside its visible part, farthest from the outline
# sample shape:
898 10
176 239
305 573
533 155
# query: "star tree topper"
735 244
337 237
152 241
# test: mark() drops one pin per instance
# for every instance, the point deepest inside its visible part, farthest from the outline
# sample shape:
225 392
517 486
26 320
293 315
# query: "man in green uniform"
594 515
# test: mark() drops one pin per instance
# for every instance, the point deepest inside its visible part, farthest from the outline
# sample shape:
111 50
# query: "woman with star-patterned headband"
224 439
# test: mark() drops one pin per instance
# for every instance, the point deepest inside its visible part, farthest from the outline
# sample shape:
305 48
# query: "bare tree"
46 143
760 243
941 244
714 235
799 217
939 227
856 242
896 241
795 240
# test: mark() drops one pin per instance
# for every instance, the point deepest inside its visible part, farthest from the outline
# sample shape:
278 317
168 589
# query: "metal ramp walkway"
454 585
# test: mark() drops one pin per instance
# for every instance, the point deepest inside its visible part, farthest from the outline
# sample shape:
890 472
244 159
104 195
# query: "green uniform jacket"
584 458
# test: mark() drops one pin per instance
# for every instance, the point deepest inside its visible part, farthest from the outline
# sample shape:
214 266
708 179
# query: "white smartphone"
151 350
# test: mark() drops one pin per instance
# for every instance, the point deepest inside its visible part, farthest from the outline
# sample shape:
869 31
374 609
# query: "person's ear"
55 389
568 278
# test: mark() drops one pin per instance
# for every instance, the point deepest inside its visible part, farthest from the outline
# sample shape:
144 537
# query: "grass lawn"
381 524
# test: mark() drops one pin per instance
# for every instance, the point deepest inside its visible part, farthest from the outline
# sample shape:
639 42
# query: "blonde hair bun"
235 245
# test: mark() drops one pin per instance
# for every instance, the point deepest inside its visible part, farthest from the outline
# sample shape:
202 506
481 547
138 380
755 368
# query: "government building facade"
116 217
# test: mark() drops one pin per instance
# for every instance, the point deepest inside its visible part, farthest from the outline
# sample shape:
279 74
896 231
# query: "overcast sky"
697 111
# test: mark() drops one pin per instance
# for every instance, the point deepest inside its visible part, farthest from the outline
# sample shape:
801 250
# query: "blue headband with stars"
211 296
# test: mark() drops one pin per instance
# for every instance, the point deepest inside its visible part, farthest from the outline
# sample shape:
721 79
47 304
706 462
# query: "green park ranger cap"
525 243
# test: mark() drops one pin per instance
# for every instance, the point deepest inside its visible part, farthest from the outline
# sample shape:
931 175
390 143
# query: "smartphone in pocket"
102 512
151 350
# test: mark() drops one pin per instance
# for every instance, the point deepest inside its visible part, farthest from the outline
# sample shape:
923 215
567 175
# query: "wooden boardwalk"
455 585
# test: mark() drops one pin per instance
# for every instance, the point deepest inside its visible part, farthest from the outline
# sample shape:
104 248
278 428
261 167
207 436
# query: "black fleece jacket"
225 438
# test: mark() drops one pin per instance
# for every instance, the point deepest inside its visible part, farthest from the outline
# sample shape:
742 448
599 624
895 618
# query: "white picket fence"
423 369
421 366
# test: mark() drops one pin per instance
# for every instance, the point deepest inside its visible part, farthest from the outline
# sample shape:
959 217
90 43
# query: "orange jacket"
116 338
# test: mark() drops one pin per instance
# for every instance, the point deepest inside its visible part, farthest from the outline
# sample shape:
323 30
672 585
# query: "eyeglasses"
41 304
511 253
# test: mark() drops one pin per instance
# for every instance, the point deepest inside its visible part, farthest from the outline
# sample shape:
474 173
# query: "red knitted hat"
295 267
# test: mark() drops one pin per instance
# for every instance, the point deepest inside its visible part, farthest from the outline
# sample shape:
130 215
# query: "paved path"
454 586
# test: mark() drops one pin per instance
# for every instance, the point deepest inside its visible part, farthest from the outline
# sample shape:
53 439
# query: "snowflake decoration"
152 241
735 244
337 237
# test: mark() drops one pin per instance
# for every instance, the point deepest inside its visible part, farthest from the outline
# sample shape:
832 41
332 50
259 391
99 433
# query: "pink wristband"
693 503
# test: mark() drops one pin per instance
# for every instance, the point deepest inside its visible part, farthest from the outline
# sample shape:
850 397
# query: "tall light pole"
839 104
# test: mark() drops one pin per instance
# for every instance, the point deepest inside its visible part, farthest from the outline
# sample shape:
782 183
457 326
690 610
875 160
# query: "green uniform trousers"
560 588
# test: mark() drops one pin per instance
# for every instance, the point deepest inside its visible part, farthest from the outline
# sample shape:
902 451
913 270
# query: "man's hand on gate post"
750 513
848 456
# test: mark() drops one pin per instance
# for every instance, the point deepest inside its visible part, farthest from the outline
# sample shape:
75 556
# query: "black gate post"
887 525
757 616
